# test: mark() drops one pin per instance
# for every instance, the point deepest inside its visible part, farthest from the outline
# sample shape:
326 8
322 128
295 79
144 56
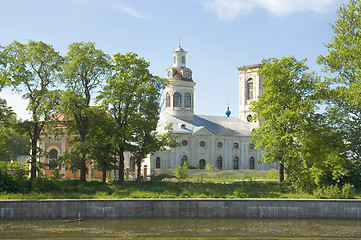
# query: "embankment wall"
179 208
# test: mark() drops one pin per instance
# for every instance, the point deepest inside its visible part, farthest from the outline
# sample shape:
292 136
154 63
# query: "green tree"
101 141
283 109
33 68
85 69
126 96
343 63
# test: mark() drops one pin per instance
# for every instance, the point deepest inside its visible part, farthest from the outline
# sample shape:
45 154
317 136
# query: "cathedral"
217 142
214 141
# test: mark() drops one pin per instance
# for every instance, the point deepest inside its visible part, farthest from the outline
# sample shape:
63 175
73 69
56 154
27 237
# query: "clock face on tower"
169 73
186 74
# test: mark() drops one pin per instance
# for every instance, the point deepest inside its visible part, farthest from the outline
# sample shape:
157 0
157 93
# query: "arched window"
132 164
250 89
174 59
187 100
202 164
167 100
235 163
53 159
183 59
202 143
219 162
184 159
157 162
177 99
251 163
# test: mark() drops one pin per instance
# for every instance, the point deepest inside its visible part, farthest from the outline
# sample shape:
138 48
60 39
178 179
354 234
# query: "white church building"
222 142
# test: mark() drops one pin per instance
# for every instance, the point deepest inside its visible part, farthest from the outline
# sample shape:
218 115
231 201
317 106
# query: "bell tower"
250 86
179 93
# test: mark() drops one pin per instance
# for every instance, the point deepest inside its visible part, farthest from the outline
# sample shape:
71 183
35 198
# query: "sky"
219 36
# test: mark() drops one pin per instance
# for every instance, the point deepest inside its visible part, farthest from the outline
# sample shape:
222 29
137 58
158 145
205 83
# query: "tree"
85 68
100 140
33 68
283 109
344 64
125 97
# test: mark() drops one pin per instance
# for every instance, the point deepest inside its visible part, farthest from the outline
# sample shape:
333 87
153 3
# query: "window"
235 145
177 99
219 144
183 60
202 144
167 100
184 159
251 163
184 143
235 163
187 100
157 162
202 164
132 164
219 163
53 159
250 89
174 59
249 118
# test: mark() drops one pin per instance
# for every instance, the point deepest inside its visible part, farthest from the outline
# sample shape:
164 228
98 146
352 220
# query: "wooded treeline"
111 104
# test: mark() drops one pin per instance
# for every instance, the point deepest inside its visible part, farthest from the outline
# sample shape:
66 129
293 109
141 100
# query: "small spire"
179 40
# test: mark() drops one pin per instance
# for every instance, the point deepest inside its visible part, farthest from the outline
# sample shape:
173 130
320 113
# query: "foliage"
181 172
84 70
335 192
131 97
33 68
283 109
100 141
12 177
344 101
208 167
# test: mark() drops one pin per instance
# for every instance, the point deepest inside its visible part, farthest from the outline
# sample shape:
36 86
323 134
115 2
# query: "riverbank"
180 208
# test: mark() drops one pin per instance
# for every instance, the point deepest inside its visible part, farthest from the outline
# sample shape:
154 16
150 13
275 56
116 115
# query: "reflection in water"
187 228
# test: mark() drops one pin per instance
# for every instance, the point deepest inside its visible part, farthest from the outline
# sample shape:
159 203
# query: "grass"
201 184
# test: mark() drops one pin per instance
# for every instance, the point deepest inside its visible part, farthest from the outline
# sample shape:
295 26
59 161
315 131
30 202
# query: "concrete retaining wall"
179 208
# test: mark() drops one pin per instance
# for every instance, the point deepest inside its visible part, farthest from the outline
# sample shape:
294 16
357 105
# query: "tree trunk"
104 176
121 164
281 172
83 169
139 168
83 161
34 151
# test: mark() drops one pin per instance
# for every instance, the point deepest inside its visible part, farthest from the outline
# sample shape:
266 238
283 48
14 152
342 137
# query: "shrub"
181 172
208 167
335 192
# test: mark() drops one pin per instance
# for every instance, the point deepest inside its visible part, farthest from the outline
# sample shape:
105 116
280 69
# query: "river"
181 228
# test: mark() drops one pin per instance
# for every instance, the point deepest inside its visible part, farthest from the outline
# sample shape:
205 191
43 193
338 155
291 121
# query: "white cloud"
230 9
114 5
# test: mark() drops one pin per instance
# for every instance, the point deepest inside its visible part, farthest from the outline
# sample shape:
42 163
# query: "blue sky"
219 35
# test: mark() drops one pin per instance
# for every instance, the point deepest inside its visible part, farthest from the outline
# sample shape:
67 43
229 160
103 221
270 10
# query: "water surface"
181 228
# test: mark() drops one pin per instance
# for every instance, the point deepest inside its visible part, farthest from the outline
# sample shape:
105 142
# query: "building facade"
220 142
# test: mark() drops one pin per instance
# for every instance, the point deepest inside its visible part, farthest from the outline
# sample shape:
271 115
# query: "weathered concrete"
179 208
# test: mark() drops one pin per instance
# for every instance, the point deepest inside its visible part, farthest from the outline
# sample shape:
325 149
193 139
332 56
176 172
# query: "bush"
208 167
335 192
12 177
181 172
